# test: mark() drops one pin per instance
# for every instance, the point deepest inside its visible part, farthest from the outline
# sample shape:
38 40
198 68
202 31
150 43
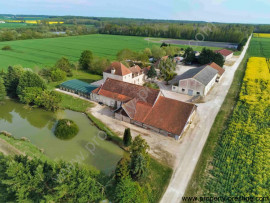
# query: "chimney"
113 71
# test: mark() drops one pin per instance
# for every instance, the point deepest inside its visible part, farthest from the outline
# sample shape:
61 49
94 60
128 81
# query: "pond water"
87 147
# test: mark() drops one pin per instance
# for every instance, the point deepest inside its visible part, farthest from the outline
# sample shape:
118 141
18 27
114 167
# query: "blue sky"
242 11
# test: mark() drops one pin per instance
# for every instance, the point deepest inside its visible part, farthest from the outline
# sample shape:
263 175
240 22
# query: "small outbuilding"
227 54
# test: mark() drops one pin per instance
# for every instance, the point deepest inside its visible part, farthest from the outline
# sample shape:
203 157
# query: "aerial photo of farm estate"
134 101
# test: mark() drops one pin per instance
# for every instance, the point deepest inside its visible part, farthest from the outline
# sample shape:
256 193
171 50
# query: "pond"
87 147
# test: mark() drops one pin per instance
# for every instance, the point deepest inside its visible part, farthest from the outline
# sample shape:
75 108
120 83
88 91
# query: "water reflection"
38 126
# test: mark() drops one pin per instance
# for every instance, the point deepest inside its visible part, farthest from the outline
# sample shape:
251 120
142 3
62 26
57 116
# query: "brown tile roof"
130 107
167 114
142 110
123 91
120 69
135 69
217 67
114 95
224 52
96 90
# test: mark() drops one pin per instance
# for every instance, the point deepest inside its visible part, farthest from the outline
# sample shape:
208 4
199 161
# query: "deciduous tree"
86 60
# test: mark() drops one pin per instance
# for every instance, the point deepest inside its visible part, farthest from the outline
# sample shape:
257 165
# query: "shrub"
58 75
64 65
6 48
66 129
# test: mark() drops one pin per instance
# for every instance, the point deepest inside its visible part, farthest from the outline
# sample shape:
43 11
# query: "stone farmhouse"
197 81
119 71
145 107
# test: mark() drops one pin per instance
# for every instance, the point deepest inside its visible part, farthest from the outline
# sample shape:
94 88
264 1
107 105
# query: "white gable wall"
193 87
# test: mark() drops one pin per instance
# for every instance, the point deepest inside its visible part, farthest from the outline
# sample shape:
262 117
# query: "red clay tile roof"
121 91
96 90
135 69
217 67
224 52
130 107
142 110
168 114
113 95
120 69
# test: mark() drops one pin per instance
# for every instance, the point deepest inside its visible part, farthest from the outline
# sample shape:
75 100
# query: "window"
174 88
198 93
183 90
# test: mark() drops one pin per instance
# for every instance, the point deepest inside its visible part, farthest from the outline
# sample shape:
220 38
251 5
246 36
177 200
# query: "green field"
13 25
260 47
45 52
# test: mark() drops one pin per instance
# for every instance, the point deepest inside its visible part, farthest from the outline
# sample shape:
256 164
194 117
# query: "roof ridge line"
199 71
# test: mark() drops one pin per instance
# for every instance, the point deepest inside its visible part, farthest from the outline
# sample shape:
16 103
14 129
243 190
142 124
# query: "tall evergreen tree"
122 170
30 79
2 89
12 79
127 139
189 55
152 72
139 158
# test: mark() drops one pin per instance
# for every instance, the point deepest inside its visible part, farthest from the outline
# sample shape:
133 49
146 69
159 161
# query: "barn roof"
217 67
203 74
123 91
167 114
224 52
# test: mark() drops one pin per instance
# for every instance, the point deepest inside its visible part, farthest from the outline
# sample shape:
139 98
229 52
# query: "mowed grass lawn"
260 47
45 52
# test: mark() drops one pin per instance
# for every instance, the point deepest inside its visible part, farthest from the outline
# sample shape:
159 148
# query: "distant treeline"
262 29
202 32
44 31
176 29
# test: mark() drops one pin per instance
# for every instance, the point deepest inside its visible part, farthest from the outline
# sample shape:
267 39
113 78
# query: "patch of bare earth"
8 149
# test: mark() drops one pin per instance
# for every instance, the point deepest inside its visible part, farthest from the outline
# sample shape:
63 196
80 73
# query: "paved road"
193 142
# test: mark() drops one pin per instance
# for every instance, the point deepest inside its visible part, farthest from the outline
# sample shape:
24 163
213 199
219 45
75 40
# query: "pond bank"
89 147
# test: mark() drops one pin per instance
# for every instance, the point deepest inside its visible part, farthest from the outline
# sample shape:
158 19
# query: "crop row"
241 165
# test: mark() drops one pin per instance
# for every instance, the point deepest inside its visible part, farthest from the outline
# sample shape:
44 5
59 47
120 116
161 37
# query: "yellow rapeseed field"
257 78
261 35
33 21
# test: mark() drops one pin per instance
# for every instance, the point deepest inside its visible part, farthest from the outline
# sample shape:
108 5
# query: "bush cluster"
66 129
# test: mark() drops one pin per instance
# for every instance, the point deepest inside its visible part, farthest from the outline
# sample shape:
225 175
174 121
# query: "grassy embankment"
25 147
200 173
